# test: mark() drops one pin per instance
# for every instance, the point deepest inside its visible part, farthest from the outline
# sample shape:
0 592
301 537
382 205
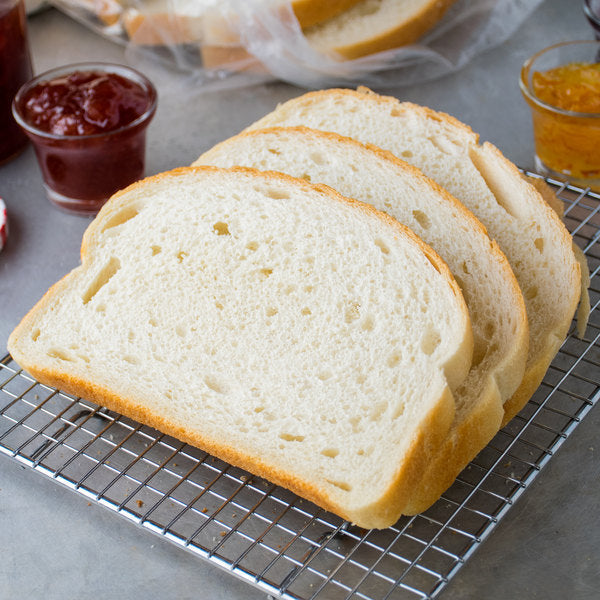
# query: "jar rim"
525 85
118 69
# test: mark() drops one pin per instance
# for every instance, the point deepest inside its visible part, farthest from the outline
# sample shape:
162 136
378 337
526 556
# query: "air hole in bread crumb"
306 177
324 375
101 308
221 228
274 151
259 409
352 312
368 323
309 288
219 305
102 278
180 331
430 341
252 246
406 153
317 158
288 437
153 322
377 411
131 359
393 360
531 292
382 246
465 268
156 250
266 272
422 218
306 311
399 411
445 145
330 452
277 194
60 354
271 311
121 217
539 244
215 385
342 485
181 255
35 334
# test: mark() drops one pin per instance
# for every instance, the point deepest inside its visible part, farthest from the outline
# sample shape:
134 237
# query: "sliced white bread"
286 329
535 241
493 297
376 25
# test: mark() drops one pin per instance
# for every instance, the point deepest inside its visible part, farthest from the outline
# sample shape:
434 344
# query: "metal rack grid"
265 534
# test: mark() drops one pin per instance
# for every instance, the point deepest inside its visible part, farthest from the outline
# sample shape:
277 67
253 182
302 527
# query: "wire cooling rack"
265 534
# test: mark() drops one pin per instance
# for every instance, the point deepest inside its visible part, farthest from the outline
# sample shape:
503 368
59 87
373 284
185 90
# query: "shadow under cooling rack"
267 535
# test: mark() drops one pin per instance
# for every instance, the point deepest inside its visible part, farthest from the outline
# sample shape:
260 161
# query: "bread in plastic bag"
241 42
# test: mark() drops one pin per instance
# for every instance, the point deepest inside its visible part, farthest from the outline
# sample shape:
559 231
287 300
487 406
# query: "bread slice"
493 297
303 336
536 243
376 25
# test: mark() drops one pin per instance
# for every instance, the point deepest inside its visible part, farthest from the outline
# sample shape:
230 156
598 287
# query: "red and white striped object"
3 224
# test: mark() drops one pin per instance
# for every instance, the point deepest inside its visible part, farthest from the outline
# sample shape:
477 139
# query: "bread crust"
311 12
397 35
382 513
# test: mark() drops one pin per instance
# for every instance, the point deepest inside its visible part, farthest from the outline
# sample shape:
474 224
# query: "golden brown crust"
384 513
458 450
307 99
536 369
402 34
311 12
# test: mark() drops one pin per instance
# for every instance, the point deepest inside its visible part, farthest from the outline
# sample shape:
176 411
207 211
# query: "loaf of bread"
288 330
493 297
533 238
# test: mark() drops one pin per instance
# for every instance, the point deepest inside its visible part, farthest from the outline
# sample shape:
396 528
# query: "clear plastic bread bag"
231 43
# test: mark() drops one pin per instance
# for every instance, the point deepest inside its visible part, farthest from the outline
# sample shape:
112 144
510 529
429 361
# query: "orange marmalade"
566 119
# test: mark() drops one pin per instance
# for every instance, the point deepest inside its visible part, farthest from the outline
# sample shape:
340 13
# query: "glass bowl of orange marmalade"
561 84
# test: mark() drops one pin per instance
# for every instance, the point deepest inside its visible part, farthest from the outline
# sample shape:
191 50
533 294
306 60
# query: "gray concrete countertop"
56 545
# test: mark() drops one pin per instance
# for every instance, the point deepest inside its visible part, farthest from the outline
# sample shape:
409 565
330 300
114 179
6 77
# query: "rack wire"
265 534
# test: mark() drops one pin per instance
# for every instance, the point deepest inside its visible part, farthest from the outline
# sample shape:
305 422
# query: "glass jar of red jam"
15 70
87 123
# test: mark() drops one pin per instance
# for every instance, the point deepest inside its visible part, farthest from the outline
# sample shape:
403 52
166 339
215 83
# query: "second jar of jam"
87 123
15 70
